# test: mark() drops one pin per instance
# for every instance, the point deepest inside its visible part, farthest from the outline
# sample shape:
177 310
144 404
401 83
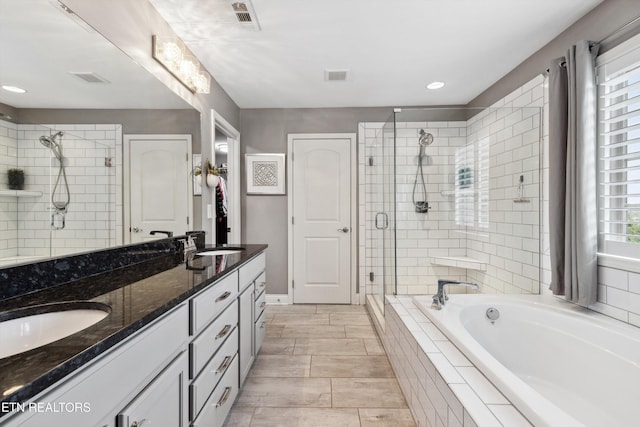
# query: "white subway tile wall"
91 221
8 204
480 233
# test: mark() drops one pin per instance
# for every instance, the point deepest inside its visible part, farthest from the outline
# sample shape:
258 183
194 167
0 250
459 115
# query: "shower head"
51 143
424 138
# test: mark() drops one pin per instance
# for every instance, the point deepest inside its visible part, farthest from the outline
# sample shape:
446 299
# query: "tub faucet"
441 297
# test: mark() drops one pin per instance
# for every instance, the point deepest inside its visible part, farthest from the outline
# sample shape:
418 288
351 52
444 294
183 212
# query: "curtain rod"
611 35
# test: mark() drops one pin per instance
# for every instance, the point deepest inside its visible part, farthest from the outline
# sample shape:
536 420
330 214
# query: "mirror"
79 84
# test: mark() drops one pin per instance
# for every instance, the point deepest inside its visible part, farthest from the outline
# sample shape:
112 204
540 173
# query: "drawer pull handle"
262 325
139 423
223 333
225 396
262 284
263 304
223 296
224 365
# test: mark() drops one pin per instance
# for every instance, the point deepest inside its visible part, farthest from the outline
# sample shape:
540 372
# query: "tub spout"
441 297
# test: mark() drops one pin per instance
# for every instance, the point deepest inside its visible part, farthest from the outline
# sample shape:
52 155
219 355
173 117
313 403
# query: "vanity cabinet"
131 375
184 369
246 343
163 402
214 352
252 302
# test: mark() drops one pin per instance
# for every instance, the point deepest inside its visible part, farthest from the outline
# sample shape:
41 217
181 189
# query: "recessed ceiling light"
435 85
13 89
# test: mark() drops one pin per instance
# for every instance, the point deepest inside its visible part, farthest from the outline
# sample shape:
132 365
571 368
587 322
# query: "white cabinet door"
246 332
321 231
163 403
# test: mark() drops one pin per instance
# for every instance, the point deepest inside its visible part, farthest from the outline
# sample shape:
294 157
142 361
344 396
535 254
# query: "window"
619 150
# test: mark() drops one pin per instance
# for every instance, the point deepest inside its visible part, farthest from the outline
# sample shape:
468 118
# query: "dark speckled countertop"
137 294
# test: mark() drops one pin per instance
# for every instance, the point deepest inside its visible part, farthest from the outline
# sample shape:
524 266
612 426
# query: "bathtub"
559 364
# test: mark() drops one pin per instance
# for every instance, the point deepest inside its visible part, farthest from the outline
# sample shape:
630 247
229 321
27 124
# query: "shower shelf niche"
460 262
20 193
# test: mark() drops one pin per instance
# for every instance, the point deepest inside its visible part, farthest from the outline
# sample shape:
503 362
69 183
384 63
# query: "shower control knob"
344 229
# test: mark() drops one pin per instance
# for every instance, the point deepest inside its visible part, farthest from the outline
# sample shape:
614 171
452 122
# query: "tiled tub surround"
442 387
138 293
91 220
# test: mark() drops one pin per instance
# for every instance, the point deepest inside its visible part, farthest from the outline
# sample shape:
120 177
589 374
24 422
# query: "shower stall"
451 193
70 197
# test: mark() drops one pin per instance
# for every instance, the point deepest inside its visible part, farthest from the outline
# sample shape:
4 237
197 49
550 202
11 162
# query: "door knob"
136 229
344 229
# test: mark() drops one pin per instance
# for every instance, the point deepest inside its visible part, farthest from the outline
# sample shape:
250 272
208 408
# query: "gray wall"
603 22
264 218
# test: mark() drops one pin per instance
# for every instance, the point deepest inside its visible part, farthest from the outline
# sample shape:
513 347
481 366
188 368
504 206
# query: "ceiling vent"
245 14
335 75
89 77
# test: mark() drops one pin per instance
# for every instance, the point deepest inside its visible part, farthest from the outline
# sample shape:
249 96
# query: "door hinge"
292 157
293 284
371 276
187 220
292 221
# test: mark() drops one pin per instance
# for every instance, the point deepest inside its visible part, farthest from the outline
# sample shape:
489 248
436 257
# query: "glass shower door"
380 221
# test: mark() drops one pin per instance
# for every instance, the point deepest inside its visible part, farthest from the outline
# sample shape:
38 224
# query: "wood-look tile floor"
320 366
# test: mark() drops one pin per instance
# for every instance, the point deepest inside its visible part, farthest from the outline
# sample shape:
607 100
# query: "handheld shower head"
51 143
424 138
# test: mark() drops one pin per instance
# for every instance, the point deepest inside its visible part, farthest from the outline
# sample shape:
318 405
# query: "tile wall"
441 386
482 234
8 205
90 222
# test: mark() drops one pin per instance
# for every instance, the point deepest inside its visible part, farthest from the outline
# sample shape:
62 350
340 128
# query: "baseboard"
277 299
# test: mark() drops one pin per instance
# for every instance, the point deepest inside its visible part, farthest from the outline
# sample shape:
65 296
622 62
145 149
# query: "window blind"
619 153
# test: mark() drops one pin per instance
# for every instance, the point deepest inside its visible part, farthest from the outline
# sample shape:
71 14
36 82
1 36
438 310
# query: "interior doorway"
321 185
226 156
157 190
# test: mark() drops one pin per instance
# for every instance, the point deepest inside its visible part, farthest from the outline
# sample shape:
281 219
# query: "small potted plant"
213 177
197 172
16 179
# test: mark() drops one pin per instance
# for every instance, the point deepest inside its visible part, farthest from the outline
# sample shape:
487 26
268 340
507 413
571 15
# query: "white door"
322 229
159 183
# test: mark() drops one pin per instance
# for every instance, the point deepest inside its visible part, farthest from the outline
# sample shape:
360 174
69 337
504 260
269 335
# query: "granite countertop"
137 294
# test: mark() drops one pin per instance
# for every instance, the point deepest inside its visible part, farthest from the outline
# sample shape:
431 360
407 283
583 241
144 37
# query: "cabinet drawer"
205 346
260 304
261 284
163 402
219 404
260 331
251 270
212 372
207 305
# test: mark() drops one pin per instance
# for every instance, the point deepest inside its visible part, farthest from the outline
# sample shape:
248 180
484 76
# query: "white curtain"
572 174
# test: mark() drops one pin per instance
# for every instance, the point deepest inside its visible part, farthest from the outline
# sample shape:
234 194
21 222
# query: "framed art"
265 173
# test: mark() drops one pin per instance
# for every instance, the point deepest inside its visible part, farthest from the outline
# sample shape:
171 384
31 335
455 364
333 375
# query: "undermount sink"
221 251
27 328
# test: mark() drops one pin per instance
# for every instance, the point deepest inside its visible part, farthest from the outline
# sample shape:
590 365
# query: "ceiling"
40 45
392 48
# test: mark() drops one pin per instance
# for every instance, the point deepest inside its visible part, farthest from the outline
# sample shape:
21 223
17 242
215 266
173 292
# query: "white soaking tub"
559 364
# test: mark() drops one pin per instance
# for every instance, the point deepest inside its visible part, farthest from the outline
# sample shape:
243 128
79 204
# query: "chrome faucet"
441 297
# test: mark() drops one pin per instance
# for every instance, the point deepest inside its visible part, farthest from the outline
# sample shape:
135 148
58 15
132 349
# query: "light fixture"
14 89
435 85
175 57
222 147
